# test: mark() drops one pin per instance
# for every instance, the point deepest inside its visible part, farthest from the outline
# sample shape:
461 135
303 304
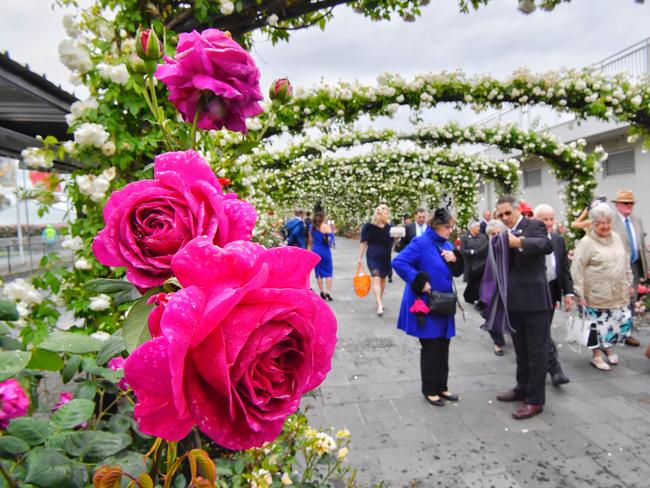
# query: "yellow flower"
343 434
343 452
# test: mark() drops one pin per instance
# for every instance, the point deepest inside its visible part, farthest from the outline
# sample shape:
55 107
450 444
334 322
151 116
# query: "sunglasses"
630 204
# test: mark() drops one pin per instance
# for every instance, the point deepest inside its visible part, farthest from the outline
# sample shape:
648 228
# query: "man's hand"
582 302
568 303
426 288
514 241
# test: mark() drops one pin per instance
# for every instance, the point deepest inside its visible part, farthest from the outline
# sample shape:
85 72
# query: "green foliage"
77 343
136 330
72 414
8 310
12 362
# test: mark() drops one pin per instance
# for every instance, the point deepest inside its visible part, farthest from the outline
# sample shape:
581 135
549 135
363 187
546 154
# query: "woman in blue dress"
321 240
429 263
377 244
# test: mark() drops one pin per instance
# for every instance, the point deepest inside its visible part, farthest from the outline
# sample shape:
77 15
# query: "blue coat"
422 256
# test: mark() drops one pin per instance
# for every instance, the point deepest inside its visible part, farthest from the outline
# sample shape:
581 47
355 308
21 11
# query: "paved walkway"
594 432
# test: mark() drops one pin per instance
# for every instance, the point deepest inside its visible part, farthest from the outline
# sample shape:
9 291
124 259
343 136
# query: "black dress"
380 244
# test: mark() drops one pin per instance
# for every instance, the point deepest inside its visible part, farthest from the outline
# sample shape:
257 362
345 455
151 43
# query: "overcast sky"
496 39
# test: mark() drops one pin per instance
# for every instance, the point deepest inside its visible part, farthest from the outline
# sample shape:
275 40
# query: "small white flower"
286 479
35 157
83 264
100 335
70 25
72 243
272 20
74 57
108 148
227 8
636 100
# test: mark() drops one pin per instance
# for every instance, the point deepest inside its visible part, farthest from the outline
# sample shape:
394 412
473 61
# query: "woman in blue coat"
428 263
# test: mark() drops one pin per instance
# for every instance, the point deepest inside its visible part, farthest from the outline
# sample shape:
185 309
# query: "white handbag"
577 330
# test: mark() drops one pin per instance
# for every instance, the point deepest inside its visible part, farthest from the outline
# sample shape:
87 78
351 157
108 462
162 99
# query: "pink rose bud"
281 90
148 46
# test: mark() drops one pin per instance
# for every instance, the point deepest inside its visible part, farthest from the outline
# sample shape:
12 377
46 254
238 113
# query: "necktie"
630 238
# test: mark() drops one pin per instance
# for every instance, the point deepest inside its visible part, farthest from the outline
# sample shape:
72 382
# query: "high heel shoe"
329 297
323 296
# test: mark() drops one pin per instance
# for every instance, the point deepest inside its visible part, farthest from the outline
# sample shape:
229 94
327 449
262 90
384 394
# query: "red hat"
525 209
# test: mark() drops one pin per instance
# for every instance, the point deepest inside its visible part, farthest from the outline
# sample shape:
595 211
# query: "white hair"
494 224
543 208
600 212
472 224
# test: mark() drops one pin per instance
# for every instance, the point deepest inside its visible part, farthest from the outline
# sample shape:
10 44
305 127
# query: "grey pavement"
594 432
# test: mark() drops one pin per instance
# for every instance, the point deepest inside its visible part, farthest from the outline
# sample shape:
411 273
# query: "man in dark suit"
414 229
487 216
558 275
529 306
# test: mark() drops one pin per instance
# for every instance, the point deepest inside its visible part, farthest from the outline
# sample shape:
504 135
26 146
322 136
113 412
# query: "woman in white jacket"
602 278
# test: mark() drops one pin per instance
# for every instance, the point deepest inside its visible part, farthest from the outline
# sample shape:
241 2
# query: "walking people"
321 241
413 229
294 230
629 227
528 306
558 275
602 279
470 243
377 244
430 263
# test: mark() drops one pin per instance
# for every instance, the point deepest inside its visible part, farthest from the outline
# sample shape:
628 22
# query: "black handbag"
441 303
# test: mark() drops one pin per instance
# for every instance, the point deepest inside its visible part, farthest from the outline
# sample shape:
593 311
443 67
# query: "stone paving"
594 432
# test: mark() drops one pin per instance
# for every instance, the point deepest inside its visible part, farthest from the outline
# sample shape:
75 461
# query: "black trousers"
553 359
434 365
531 348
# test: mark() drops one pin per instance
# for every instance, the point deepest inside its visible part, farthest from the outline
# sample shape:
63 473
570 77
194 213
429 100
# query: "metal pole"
9 258
29 234
19 227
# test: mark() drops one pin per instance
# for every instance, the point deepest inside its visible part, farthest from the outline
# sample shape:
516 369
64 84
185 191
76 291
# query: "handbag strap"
453 283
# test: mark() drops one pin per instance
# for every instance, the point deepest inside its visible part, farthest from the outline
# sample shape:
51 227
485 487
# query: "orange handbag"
361 282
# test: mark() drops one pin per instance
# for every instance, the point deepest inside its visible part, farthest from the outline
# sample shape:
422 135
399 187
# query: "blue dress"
422 255
380 244
321 245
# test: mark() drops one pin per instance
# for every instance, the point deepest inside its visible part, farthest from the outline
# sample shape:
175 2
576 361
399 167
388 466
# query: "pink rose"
64 397
235 349
215 76
117 364
148 221
14 402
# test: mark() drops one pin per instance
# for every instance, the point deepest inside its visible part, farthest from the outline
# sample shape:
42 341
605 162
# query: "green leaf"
121 290
57 440
12 362
129 461
88 365
31 430
13 445
8 310
8 343
47 360
51 469
95 445
111 348
73 413
87 390
136 329
60 341
71 368
120 423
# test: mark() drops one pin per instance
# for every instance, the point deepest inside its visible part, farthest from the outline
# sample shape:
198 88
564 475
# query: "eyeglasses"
630 204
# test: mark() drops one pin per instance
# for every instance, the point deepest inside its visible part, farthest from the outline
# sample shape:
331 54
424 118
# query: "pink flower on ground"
215 76
14 402
148 221
64 397
419 307
235 349
117 364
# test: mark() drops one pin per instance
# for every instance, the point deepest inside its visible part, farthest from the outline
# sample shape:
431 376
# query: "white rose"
636 100
272 20
100 303
72 243
108 148
227 8
109 173
70 25
74 57
119 74
82 264
91 135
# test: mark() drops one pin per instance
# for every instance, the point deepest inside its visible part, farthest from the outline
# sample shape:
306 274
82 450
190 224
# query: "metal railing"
633 60
17 259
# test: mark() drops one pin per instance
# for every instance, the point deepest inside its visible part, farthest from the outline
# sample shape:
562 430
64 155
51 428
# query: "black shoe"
437 403
450 397
390 279
499 351
329 297
323 296
559 379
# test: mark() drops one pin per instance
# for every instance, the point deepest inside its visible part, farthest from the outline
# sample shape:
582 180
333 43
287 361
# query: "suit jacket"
637 225
528 290
411 232
563 284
